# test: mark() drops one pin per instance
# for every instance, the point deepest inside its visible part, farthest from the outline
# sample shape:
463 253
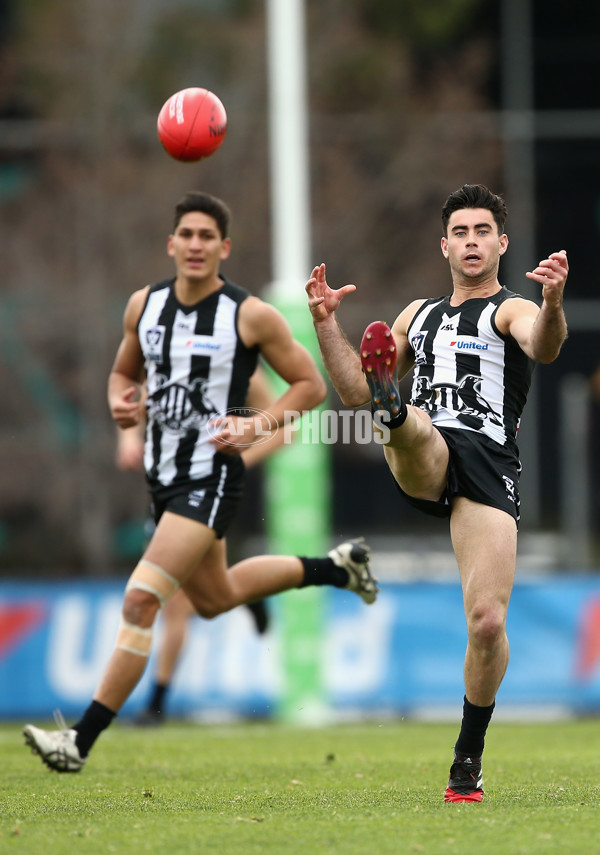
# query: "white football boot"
353 556
56 747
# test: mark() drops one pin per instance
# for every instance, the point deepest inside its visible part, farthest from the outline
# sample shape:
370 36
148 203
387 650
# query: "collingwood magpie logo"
179 408
463 398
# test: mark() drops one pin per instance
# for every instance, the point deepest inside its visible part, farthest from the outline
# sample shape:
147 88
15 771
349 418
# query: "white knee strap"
134 639
153 579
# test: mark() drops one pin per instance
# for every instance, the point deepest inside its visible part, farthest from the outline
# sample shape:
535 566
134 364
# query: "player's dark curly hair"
475 196
206 204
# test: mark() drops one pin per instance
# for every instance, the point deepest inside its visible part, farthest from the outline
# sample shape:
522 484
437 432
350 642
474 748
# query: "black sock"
322 571
260 615
95 719
156 703
475 722
386 418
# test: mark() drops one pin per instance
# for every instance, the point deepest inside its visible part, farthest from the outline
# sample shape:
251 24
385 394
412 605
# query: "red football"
192 124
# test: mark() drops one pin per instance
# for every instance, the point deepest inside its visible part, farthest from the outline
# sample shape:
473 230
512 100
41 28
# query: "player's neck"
473 289
190 290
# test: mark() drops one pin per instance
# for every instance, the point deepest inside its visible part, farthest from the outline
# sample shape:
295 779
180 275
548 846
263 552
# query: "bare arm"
406 355
341 361
261 397
129 454
540 332
125 379
262 326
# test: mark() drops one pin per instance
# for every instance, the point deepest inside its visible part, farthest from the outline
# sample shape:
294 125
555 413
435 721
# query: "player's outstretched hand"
323 300
552 274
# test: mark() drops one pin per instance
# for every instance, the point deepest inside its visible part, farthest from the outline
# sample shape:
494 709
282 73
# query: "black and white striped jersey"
467 374
197 368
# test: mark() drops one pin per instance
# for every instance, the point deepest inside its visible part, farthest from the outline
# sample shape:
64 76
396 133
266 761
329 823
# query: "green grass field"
250 788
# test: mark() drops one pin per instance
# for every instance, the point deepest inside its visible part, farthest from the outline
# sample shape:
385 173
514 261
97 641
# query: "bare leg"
121 675
418 456
485 544
175 617
214 589
484 541
190 552
177 546
186 553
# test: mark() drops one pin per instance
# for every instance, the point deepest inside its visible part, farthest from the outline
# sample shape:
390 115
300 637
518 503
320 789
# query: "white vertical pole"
298 479
288 128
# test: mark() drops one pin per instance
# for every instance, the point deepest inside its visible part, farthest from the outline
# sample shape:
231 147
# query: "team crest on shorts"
195 498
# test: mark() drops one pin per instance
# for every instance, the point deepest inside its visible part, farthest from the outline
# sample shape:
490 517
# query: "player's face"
473 246
197 247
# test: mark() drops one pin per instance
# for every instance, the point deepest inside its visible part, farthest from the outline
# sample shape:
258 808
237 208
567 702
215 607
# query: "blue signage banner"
402 656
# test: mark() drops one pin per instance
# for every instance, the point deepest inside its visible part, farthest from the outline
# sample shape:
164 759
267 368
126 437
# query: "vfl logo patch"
155 337
416 343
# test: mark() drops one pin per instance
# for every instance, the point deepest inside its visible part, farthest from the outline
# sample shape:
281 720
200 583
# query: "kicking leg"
414 450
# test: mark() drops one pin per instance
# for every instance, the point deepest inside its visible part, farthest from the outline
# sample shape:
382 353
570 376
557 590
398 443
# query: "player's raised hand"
552 274
323 300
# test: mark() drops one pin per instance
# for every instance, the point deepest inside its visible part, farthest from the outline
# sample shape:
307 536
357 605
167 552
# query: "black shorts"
213 500
478 469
